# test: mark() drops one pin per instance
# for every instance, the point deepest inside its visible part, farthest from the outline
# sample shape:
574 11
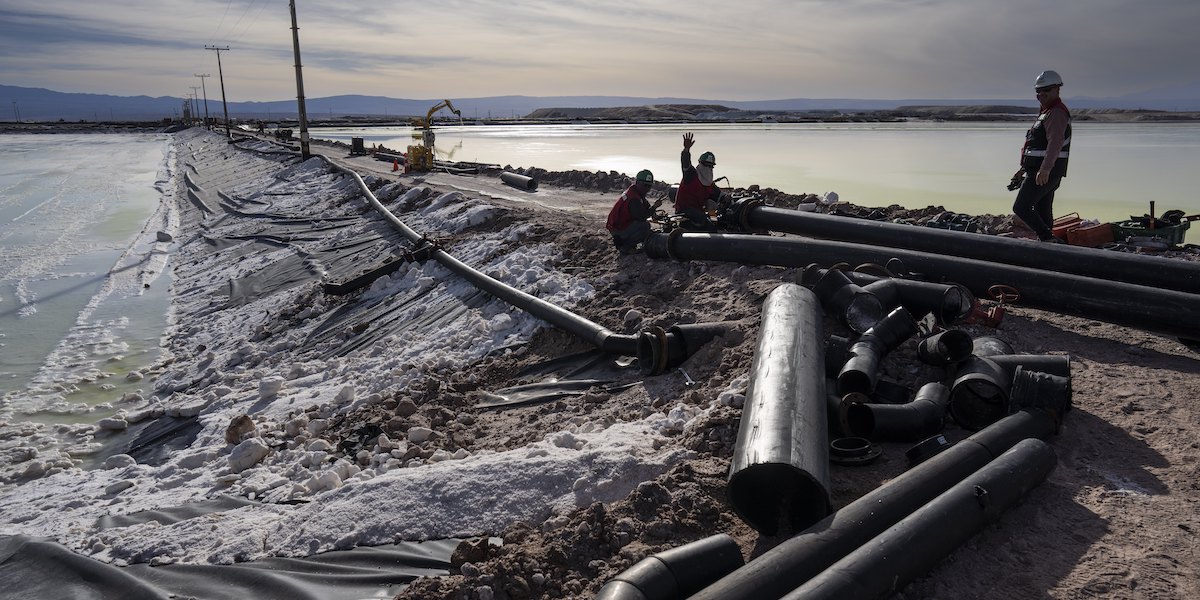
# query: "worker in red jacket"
1044 158
697 187
627 220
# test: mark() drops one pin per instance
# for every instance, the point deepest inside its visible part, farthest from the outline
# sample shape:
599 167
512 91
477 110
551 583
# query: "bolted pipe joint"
661 349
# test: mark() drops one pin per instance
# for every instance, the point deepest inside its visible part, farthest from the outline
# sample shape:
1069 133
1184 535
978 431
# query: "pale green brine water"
1115 169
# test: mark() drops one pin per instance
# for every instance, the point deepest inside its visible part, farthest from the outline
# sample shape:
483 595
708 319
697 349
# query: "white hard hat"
1047 79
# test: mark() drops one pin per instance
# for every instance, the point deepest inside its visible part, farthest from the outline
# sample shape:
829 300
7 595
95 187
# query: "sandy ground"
1118 518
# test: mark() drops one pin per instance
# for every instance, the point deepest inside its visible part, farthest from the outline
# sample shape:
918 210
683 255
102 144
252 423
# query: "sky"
718 50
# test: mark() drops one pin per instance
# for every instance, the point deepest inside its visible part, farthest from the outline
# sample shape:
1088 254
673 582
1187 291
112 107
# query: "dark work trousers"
626 240
1035 204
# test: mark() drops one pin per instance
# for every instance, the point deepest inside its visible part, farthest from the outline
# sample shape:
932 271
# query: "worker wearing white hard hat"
1044 158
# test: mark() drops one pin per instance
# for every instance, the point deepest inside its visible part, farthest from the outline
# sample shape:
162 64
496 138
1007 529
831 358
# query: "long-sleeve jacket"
692 193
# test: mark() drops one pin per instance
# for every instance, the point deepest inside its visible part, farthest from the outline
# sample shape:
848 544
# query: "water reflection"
1115 168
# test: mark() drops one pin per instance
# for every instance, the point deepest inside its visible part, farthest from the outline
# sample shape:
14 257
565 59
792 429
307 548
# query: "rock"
417 435
247 454
239 427
118 461
269 387
474 550
163 236
117 487
113 424
406 408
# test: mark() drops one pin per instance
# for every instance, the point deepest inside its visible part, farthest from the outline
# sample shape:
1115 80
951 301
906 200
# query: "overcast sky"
719 50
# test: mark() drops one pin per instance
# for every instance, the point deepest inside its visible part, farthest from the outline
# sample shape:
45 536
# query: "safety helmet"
645 176
1047 79
708 158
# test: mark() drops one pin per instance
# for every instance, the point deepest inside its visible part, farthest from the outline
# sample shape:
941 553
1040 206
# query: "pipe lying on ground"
794 561
920 541
945 348
519 181
658 345
1166 311
948 302
676 573
980 392
780 467
846 301
1137 269
916 420
861 371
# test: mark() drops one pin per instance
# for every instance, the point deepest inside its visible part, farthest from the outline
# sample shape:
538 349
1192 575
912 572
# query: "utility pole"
221 76
299 84
195 108
205 98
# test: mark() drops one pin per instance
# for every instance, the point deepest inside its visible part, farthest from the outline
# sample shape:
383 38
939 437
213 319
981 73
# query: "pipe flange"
926 449
744 212
671 239
853 451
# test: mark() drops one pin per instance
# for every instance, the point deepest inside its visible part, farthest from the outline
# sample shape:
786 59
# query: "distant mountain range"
36 104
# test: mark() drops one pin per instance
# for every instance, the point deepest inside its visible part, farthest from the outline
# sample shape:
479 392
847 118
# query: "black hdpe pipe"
981 390
947 301
519 181
676 573
797 559
861 371
846 301
945 348
920 541
780 467
1137 269
916 420
652 347
1166 311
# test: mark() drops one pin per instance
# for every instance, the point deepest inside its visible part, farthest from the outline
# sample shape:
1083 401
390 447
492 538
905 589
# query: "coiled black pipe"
676 573
780 467
1137 269
794 561
916 420
1160 310
917 543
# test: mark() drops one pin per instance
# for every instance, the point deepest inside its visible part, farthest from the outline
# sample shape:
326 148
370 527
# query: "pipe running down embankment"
656 349
1138 269
1165 311
800 558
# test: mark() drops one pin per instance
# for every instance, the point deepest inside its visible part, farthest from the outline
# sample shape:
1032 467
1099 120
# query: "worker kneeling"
628 219
697 188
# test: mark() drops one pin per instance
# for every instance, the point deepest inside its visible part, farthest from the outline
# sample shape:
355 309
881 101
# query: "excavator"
420 156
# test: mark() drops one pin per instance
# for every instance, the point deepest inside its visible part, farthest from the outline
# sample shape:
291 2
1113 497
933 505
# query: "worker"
1044 158
696 188
628 219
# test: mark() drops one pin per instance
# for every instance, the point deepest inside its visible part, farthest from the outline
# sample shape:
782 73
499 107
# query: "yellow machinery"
420 157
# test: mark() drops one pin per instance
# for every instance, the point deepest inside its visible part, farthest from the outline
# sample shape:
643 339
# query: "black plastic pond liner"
1137 269
919 419
980 392
920 541
780 467
861 371
1165 311
797 559
38 568
676 573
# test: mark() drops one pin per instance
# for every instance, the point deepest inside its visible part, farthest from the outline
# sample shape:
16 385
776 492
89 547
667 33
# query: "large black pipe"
676 573
980 392
657 350
861 371
909 422
1137 269
780 467
947 301
794 561
917 543
1165 311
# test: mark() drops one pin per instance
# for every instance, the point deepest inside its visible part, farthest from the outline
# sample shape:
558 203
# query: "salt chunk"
247 454
269 387
417 435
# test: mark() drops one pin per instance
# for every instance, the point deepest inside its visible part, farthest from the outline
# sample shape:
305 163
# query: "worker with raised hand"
697 187
1044 158
628 218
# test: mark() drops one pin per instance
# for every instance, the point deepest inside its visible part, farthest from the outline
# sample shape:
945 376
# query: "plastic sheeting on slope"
566 376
